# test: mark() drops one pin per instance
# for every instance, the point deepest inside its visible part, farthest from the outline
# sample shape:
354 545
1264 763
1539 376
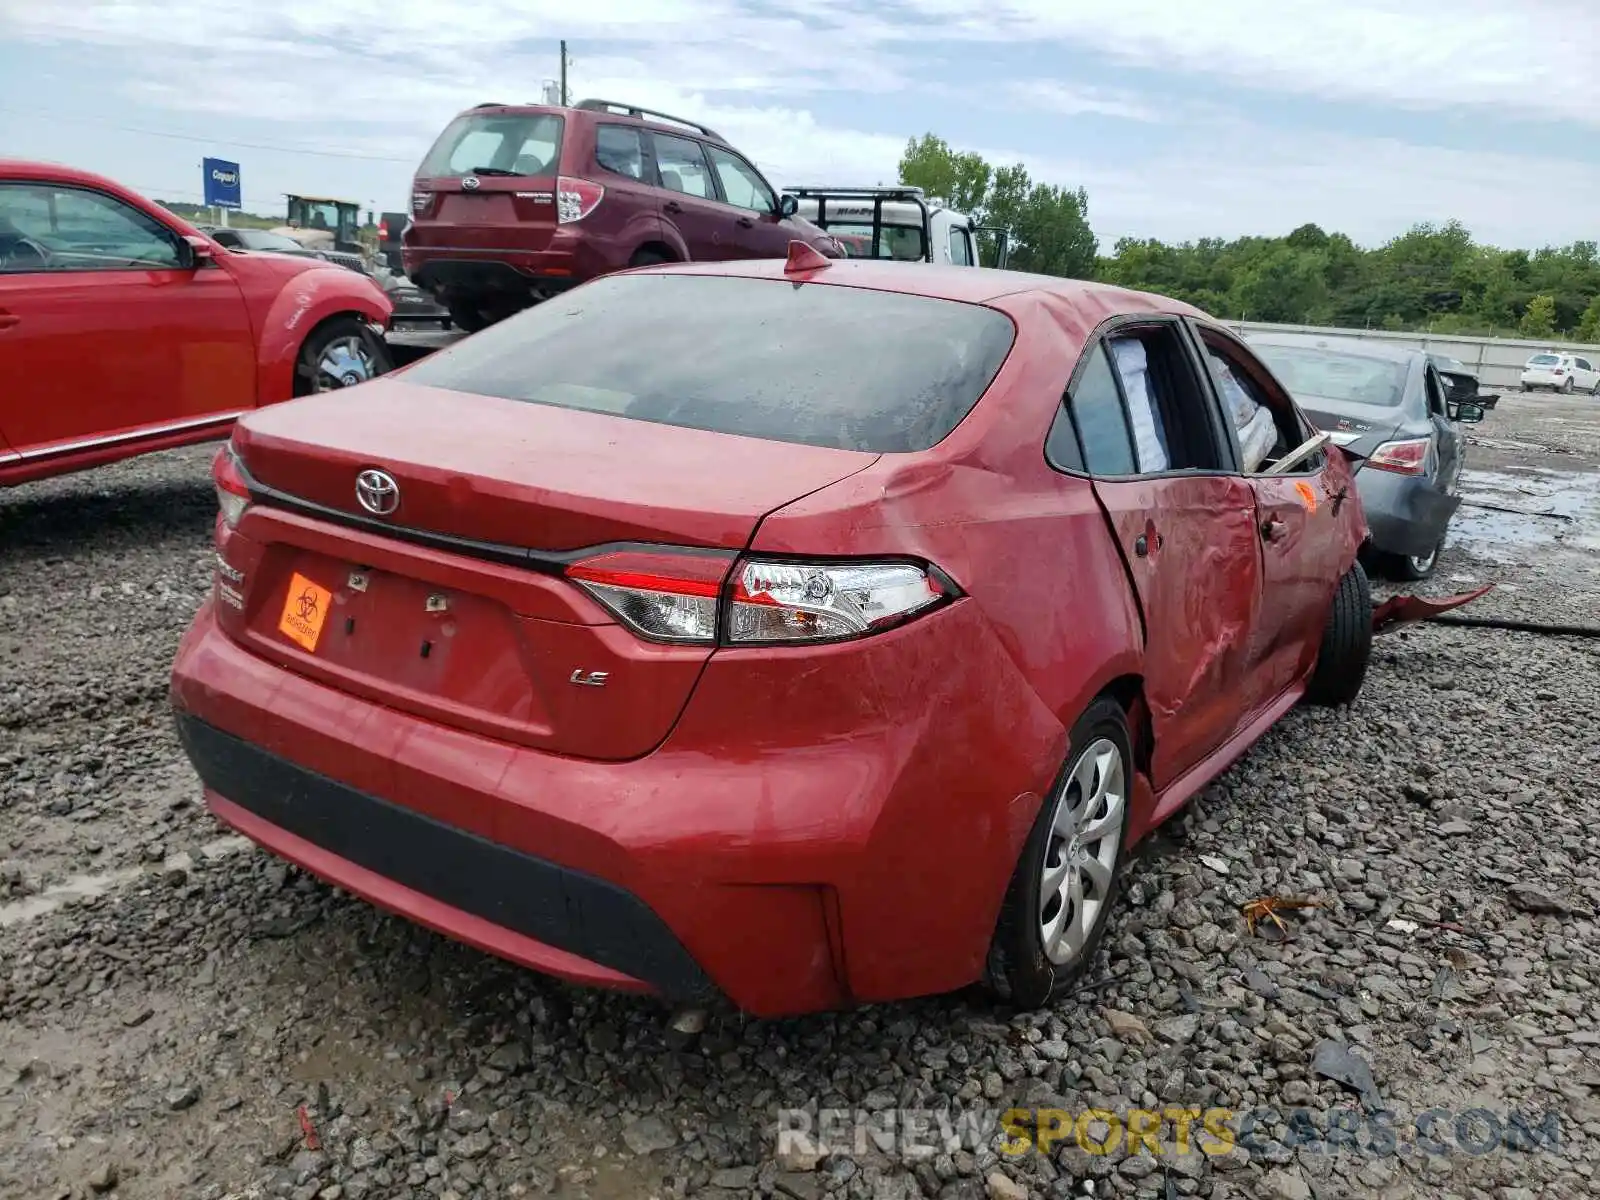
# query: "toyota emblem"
470 183
377 492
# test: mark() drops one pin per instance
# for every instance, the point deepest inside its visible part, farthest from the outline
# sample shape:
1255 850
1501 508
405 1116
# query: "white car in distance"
1561 373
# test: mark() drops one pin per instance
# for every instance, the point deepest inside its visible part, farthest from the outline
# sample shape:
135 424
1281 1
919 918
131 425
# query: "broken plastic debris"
1219 865
1268 907
1401 925
1335 1060
1401 610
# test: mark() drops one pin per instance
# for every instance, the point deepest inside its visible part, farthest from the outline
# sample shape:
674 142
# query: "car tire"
340 353
468 318
1409 569
1346 642
1097 782
1566 386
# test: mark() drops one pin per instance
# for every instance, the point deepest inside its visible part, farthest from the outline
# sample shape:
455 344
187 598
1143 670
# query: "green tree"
1540 318
1589 327
1047 226
959 179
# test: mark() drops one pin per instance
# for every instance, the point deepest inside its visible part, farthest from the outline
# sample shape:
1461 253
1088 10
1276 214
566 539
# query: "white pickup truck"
897 223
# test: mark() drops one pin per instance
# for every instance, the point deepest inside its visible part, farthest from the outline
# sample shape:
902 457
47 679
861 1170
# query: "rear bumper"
515 904
1406 514
831 849
568 260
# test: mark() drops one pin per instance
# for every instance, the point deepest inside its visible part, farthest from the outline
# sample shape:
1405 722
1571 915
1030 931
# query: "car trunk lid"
454 605
1358 429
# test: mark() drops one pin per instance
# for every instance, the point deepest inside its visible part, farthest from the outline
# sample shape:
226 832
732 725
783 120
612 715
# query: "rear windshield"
1353 378
520 144
830 366
1543 360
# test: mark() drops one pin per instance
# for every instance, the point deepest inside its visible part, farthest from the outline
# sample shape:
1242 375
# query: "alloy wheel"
1081 858
344 362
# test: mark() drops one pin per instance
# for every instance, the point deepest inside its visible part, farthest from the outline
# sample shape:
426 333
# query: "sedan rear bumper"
1406 514
831 854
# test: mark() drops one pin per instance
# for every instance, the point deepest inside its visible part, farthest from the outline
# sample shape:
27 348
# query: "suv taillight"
666 597
233 494
576 198
420 202
383 231
1409 457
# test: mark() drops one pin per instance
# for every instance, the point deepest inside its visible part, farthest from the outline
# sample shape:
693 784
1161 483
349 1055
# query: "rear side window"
683 166
1102 424
525 144
840 367
617 148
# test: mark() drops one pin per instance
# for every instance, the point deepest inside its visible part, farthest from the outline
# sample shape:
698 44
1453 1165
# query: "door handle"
745 223
9 320
1274 530
672 206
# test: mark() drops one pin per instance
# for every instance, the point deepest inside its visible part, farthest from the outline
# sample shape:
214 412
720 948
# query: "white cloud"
379 79
1526 56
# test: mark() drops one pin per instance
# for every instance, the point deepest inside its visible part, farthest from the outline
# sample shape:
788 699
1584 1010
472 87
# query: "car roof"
48 172
940 281
663 122
1337 344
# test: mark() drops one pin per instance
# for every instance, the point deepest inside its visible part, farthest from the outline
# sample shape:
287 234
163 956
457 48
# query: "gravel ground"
181 1015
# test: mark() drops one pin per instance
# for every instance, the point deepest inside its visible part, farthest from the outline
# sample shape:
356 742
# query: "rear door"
689 200
487 186
106 337
1186 526
1588 377
759 230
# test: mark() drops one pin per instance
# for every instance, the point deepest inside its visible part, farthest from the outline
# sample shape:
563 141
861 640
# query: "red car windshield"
839 367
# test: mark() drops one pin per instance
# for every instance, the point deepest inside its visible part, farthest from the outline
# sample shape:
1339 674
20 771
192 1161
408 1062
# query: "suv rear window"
522 144
840 367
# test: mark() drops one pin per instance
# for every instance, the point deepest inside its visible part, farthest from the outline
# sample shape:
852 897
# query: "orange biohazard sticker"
1308 495
304 611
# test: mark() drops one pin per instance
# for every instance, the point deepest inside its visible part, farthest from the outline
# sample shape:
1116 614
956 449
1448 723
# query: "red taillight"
233 493
1404 458
663 597
383 231
576 198
679 597
420 201
1559 371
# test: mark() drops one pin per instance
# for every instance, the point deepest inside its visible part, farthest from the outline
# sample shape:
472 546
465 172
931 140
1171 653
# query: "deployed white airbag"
1134 367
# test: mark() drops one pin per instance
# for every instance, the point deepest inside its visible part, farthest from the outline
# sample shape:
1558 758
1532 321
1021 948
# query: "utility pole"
564 100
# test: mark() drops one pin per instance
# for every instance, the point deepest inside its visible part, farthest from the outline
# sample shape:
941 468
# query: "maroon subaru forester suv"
516 203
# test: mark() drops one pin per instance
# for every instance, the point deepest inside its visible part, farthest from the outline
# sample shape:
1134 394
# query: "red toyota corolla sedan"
803 633
125 330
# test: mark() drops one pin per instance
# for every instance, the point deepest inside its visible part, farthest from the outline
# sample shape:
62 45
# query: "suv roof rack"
635 110
888 193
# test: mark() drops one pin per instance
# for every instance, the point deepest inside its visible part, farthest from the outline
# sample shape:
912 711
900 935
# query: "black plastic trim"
570 910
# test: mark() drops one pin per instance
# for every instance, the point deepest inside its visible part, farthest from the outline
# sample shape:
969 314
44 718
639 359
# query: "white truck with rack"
900 223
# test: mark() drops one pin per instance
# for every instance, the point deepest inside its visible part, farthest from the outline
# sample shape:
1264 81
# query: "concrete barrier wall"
1497 361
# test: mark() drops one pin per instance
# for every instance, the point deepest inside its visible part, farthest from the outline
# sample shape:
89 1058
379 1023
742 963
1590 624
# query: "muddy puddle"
1552 511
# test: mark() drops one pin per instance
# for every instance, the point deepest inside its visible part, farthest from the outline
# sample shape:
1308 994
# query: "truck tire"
1346 642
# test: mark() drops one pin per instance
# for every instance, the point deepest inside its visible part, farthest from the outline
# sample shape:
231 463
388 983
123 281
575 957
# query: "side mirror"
194 252
1468 412
788 206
